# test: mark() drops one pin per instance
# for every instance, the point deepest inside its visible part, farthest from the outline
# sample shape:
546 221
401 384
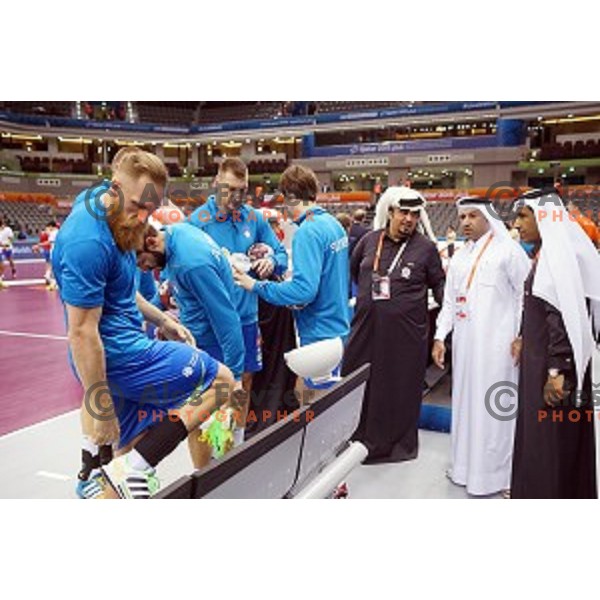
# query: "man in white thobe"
482 306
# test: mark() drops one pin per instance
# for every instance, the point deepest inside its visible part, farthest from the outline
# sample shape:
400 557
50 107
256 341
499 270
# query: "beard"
128 232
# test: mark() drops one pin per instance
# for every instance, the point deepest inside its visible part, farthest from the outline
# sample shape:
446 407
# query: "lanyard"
476 264
396 258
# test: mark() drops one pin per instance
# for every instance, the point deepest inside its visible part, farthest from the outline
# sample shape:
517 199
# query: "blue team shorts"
252 345
46 255
161 380
214 351
7 253
252 349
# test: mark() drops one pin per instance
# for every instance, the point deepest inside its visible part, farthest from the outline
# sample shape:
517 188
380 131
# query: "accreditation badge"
380 287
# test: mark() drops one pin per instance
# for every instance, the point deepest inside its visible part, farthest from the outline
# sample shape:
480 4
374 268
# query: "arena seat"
39 107
167 113
31 211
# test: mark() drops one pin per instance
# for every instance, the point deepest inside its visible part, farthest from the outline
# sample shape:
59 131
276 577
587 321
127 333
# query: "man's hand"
105 432
554 392
103 425
263 267
174 331
515 350
438 353
238 398
244 280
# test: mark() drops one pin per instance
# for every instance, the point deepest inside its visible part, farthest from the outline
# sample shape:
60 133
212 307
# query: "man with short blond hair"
129 380
92 455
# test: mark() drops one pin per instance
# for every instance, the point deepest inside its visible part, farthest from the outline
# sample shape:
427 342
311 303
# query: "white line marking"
28 261
35 426
50 475
43 336
23 282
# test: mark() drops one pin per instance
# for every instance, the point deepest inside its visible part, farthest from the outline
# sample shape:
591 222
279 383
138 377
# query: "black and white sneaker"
128 482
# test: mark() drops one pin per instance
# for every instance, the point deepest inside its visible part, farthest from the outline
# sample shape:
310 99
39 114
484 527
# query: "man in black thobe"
394 268
554 454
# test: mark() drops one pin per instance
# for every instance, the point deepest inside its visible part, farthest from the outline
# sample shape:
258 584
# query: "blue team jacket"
203 284
237 233
318 289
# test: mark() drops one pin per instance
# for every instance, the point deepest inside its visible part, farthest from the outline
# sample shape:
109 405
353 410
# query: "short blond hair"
141 163
121 153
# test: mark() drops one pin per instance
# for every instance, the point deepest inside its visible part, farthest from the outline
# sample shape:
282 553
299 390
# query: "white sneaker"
128 482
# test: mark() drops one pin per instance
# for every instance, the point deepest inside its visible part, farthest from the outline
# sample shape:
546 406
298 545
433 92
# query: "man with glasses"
237 228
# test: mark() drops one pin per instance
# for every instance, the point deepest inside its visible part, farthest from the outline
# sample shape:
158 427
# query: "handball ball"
167 298
259 250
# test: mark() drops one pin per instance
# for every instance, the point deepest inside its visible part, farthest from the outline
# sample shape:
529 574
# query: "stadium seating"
442 215
230 111
37 107
188 113
339 106
167 113
59 165
26 215
568 150
174 170
255 167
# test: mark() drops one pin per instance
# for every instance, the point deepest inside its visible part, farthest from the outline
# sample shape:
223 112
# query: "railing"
268 123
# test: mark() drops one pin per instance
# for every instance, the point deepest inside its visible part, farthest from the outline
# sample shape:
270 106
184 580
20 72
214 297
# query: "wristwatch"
553 373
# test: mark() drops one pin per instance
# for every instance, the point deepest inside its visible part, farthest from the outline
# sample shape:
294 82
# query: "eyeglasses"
225 189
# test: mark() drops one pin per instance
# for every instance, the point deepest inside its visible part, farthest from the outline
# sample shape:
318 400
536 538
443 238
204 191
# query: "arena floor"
39 418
